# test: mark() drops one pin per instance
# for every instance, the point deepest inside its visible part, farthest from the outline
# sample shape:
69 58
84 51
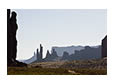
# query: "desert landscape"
87 67
69 50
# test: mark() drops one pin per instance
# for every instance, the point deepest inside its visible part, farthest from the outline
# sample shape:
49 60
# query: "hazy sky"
58 27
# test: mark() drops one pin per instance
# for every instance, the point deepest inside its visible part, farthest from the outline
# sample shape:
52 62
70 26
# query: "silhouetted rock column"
48 55
9 45
104 47
41 51
13 35
38 58
54 54
11 40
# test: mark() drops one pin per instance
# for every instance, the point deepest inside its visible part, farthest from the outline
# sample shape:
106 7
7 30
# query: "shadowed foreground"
53 71
84 67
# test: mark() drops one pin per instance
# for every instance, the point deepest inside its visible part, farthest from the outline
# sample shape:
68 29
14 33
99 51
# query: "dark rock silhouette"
9 45
87 53
54 54
84 54
104 47
65 56
48 55
51 57
38 55
11 40
13 35
41 51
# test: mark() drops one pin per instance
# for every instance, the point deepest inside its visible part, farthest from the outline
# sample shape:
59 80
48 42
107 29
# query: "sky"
58 27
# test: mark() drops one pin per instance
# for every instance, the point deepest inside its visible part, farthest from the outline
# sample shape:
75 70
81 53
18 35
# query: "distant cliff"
85 52
69 49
